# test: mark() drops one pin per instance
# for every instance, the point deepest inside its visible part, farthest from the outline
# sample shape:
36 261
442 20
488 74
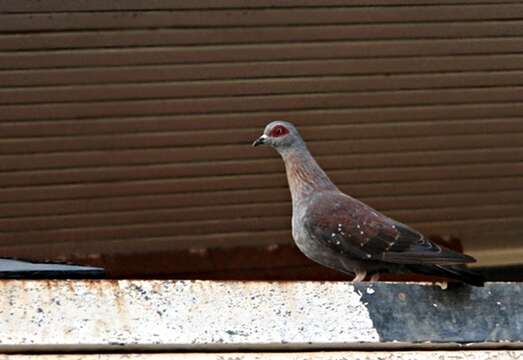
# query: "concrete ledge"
335 355
206 315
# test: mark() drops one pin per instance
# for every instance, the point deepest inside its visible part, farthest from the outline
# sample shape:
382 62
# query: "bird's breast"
307 245
298 229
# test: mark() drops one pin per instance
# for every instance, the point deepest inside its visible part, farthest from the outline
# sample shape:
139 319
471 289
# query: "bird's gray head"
281 135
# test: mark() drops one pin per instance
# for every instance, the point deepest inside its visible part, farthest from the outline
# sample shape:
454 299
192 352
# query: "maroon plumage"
347 235
347 225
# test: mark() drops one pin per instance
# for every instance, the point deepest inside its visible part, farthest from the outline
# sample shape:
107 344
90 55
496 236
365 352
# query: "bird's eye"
279 131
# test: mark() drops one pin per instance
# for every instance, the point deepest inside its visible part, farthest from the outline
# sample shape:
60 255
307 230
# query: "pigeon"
344 234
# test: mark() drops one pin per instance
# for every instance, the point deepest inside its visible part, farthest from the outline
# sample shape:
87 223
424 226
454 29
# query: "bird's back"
351 228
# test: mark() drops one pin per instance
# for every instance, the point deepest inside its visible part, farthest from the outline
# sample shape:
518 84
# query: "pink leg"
360 276
375 277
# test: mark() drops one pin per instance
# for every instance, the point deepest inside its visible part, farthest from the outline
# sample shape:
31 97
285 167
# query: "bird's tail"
460 273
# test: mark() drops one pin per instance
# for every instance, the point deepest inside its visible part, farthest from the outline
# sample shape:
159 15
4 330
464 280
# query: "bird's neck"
304 175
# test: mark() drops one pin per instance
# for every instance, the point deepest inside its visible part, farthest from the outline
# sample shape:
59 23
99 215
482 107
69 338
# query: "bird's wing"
348 226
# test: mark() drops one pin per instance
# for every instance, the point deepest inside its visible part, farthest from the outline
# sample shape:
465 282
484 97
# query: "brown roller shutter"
125 126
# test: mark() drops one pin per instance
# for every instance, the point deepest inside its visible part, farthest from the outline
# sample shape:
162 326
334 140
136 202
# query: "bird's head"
281 135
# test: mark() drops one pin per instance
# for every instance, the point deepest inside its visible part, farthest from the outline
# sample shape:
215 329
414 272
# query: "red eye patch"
279 130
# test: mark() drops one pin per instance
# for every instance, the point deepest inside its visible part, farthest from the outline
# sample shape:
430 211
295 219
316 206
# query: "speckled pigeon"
347 235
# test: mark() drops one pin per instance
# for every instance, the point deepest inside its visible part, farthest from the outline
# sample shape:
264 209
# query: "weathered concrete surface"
342 355
207 315
465 314
180 314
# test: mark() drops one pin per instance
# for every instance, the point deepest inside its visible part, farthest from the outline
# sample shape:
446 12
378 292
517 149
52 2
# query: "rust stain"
157 286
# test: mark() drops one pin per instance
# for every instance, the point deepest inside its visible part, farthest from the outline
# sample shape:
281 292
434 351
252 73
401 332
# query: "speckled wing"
350 227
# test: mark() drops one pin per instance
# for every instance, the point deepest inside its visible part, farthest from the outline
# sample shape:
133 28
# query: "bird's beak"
260 141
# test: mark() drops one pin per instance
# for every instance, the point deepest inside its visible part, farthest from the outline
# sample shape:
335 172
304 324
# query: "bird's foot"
360 276
375 277
443 284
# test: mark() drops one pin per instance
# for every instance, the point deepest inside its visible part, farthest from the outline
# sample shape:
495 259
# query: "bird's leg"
375 277
360 276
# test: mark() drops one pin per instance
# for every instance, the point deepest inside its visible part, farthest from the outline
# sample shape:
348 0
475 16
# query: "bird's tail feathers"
460 273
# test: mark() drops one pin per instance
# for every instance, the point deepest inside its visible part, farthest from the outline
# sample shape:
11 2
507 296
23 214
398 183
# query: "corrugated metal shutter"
126 125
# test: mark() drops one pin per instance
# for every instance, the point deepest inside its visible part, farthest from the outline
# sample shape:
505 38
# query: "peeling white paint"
181 314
